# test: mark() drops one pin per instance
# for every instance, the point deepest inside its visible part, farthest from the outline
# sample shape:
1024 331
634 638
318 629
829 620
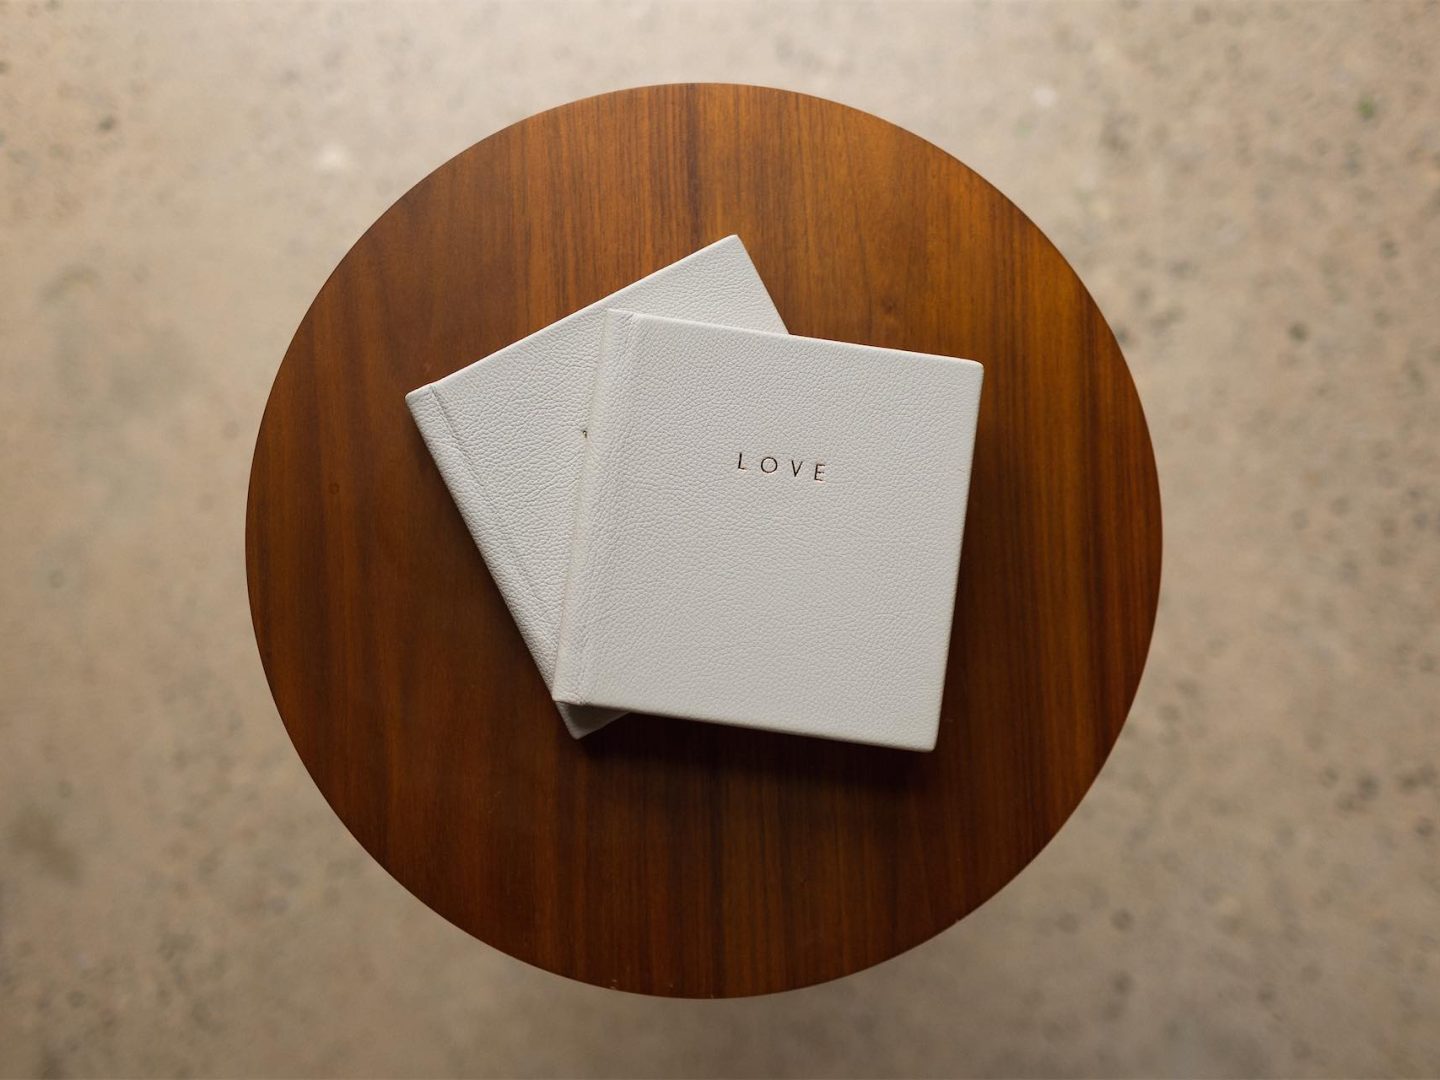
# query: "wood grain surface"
662 856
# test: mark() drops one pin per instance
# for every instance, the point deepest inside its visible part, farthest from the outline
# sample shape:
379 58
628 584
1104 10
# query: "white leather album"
507 433
768 531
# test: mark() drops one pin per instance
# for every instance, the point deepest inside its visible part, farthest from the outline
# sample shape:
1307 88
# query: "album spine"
579 623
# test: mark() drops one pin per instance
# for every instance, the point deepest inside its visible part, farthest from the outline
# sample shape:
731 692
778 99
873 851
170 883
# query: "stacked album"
692 513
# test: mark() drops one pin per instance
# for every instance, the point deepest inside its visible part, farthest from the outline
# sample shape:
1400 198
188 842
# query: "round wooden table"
661 856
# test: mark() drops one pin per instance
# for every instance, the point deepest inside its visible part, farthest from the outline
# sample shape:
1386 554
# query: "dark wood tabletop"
658 855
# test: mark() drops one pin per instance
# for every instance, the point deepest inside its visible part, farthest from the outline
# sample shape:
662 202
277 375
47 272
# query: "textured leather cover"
809 591
508 435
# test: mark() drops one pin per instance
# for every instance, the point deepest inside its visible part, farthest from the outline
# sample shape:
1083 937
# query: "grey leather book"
768 533
508 435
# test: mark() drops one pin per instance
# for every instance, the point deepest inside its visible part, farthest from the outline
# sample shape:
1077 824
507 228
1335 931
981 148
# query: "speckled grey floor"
1251 192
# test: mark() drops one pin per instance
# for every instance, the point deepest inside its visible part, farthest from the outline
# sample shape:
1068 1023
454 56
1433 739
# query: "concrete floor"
1252 192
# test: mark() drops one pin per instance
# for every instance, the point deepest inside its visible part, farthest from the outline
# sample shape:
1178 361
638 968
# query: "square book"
508 434
768 533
